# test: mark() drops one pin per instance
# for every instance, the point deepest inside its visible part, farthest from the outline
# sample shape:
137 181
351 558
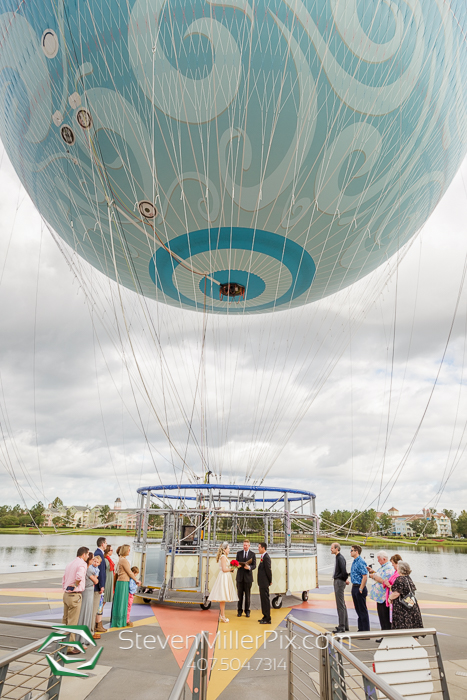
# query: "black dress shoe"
247 614
239 614
262 620
265 622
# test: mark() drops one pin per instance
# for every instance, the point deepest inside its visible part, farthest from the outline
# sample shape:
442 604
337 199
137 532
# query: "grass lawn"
394 542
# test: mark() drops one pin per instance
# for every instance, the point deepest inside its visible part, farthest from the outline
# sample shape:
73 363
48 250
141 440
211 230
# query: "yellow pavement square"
238 642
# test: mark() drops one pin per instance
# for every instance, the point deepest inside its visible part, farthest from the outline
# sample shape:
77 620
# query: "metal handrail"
15 655
179 685
28 623
388 633
379 683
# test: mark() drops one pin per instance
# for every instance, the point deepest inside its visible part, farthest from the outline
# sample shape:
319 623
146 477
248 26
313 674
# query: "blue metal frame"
224 487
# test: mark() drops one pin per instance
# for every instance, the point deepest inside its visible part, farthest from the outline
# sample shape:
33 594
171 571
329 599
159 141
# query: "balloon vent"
231 290
67 135
84 119
147 209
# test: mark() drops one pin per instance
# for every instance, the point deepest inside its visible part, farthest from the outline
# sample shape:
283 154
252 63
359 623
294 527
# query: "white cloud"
70 381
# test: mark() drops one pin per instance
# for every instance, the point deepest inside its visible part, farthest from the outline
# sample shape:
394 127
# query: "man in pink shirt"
73 584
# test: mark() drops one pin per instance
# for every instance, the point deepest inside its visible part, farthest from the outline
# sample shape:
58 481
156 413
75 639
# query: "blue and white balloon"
287 146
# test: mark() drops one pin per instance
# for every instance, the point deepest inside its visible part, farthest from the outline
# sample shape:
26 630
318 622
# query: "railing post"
54 683
324 671
3 674
289 660
200 669
204 670
442 675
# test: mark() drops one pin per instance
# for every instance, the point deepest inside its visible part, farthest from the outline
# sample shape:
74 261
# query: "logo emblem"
61 633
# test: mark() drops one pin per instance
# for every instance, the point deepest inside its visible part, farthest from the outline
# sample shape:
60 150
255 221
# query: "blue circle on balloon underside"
254 285
300 264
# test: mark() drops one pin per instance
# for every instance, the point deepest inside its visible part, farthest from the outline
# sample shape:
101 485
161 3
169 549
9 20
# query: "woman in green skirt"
120 601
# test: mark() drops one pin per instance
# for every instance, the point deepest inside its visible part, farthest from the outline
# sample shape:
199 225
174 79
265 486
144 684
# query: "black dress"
402 617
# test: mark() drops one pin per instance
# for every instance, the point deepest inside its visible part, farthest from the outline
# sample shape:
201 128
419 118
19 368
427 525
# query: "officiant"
247 563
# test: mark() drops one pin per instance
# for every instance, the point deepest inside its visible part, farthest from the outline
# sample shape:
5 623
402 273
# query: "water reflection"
36 553
437 564
432 564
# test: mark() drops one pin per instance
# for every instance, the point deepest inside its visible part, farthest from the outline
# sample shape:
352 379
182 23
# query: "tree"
366 521
58 521
385 525
37 513
340 519
155 521
105 515
462 523
9 521
453 518
423 527
57 503
69 519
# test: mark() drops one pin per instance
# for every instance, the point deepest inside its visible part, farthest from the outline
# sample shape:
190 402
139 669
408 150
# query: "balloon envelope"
288 147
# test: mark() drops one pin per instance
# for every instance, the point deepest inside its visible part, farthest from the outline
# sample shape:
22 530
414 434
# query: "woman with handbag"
405 611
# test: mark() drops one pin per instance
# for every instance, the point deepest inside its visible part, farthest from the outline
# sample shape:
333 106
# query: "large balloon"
244 156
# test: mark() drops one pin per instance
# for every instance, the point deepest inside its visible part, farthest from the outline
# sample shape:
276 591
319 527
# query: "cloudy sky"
361 399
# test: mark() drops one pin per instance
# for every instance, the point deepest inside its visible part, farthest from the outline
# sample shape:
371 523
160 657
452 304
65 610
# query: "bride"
223 590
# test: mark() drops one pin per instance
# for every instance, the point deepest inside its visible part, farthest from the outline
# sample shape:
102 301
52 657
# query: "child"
133 589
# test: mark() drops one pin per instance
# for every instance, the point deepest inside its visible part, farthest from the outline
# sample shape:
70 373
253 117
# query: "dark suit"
97 587
102 571
245 578
264 581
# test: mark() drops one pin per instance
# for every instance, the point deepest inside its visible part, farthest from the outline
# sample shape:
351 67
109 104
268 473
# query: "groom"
247 563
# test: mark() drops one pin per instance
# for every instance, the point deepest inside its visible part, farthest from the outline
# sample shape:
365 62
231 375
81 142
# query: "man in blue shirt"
358 578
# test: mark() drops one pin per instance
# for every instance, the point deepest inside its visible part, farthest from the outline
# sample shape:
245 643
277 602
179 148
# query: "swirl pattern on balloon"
290 146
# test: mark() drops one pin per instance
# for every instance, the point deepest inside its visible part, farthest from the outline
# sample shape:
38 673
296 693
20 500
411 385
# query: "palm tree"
105 514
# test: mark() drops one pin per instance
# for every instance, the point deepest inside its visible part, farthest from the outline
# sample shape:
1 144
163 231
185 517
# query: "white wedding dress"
223 589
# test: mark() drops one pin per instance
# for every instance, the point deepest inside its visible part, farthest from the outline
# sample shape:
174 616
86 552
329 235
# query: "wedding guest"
402 590
73 585
395 559
122 588
358 578
131 594
378 590
99 588
223 590
340 578
87 599
264 581
109 575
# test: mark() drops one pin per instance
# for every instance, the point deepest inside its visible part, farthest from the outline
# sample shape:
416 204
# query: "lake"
434 564
21 553
39 553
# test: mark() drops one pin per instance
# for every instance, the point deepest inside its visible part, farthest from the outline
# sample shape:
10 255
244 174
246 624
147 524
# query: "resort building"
402 523
87 517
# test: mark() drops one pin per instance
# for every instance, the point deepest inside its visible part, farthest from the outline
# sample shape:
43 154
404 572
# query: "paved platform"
143 661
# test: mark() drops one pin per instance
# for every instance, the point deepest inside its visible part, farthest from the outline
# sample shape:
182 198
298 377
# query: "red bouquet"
234 563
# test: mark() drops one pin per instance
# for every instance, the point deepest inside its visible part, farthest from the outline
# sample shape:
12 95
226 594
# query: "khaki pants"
71 610
95 605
